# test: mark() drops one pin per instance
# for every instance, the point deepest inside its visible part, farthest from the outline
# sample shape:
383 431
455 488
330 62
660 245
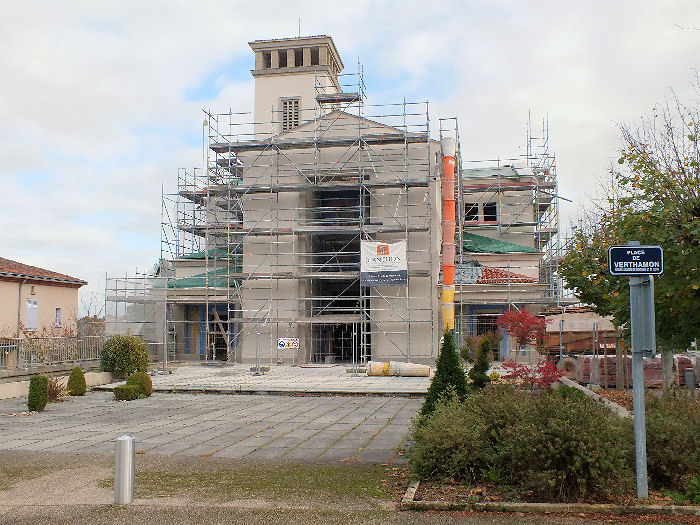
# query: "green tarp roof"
216 278
480 244
214 252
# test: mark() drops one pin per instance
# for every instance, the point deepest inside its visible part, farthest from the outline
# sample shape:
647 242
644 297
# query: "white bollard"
124 471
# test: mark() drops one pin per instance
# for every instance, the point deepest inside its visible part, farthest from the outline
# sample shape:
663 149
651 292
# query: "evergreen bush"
477 373
142 381
123 355
548 445
126 392
673 439
76 382
469 348
449 375
38 393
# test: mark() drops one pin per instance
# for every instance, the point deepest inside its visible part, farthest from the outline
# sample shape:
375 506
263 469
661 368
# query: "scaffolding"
274 222
517 200
262 243
512 200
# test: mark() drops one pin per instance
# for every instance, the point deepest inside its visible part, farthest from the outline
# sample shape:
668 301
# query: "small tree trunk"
667 370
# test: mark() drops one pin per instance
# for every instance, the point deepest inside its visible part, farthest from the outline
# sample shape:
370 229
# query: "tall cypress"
449 374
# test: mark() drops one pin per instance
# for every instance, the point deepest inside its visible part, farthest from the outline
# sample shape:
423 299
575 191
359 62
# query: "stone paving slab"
283 379
255 427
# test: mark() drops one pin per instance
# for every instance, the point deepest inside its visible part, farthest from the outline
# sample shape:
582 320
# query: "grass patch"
290 482
11 475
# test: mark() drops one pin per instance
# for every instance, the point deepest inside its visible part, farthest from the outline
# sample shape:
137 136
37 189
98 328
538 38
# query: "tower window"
298 57
314 56
490 211
290 113
471 211
282 54
267 60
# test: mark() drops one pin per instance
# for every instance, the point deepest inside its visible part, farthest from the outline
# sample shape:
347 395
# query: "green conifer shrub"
142 381
449 375
673 439
38 393
76 382
477 374
126 392
543 444
123 355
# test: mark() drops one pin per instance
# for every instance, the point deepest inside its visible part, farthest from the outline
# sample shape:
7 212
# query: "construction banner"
383 264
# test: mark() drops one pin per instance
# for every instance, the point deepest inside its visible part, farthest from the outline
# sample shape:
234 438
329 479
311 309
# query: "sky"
101 102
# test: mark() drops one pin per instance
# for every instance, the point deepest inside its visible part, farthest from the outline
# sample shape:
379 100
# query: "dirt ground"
77 489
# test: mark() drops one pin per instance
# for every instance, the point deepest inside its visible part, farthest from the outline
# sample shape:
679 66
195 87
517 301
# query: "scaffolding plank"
336 98
311 142
237 231
240 189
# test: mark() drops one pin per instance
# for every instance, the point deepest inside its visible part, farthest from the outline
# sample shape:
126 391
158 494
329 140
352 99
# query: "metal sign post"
640 263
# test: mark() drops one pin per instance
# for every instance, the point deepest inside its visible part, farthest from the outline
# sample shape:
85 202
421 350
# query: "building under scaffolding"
260 250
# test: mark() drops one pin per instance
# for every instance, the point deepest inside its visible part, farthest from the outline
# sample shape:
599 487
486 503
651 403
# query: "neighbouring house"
264 247
36 302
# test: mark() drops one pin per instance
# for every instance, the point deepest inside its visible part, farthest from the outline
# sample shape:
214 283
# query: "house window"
314 56
290 113
282 54
298 57
471 211
31 315
490 212
58 318
267 60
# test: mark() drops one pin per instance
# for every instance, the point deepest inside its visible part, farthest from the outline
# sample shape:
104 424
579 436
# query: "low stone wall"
17 374
21 388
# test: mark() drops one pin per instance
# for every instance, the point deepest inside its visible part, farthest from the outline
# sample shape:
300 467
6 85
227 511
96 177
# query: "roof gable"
339 123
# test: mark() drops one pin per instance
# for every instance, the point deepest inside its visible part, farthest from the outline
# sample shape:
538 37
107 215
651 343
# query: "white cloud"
96 109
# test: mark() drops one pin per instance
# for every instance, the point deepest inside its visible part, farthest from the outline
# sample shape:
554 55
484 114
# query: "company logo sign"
383 264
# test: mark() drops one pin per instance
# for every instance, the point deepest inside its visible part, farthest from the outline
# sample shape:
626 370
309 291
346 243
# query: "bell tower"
289 73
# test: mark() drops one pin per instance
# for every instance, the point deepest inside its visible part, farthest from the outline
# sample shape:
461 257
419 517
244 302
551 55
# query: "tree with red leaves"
524 327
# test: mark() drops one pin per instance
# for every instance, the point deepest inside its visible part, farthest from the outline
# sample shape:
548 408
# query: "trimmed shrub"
143 381
673 439
471 345
55 389
76 382
123 355
548 445
469 348
126 392
449 375
477 374
38 393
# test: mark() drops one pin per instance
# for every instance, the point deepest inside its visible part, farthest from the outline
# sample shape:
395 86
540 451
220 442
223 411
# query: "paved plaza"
282 379
253 427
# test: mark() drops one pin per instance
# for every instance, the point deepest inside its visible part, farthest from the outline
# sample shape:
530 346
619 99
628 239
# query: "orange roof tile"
17 270
496 275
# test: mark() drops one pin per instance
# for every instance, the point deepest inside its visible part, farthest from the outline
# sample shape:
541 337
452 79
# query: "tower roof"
296 42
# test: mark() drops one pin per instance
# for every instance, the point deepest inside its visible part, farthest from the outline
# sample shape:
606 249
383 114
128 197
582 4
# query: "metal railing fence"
37 351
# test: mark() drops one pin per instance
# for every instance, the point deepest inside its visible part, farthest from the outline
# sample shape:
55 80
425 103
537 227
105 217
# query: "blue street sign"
635 260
